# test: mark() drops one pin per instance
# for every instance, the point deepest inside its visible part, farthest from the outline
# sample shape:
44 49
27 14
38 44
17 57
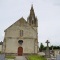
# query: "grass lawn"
36 57
10 57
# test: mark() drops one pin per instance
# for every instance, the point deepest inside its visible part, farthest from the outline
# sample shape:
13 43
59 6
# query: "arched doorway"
20 51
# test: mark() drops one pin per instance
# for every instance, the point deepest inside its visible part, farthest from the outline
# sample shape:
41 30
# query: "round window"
20 41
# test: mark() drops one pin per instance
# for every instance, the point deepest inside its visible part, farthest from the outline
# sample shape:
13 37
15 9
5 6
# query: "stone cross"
47 43
47 49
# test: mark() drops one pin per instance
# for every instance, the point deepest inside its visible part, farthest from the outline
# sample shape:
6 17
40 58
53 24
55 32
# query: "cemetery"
46 54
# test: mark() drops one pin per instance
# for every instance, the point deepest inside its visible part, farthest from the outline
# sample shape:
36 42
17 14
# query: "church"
22 36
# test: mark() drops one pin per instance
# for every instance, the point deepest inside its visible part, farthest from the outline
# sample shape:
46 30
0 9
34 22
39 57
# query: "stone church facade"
22 34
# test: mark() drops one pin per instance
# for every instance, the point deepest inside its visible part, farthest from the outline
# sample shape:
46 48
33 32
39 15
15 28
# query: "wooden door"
20 51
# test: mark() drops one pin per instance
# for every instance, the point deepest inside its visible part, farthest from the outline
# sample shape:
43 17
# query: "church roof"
21 21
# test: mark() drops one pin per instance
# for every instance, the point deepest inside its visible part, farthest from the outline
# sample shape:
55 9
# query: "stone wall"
28 46
0 47
12 36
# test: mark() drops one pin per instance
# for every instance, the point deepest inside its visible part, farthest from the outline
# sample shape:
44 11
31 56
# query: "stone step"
20 58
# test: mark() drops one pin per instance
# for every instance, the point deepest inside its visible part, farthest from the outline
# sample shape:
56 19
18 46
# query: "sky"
47 12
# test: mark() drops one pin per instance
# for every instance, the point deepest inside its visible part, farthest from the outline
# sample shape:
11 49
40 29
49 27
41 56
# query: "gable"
19 23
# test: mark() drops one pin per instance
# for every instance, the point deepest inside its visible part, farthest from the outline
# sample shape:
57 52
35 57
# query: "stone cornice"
20 38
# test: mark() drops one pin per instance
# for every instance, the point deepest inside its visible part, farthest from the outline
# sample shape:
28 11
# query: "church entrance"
20 51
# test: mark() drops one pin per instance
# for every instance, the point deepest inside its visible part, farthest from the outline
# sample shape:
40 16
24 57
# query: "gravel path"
51 58
2 56
20 58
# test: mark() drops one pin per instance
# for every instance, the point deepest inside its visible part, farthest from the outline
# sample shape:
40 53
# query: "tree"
41 47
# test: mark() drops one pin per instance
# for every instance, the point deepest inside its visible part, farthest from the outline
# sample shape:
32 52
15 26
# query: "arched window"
21 32
32 18
32 22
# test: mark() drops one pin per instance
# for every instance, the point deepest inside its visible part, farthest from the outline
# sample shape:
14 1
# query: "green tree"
41 47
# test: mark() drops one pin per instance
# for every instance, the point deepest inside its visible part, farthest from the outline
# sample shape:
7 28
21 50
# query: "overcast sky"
47 12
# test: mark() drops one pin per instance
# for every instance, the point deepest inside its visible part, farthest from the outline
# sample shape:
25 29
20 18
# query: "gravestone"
47 53
2 56
52 52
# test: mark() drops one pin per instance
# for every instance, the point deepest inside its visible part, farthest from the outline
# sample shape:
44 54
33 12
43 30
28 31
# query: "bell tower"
32 19
33 22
